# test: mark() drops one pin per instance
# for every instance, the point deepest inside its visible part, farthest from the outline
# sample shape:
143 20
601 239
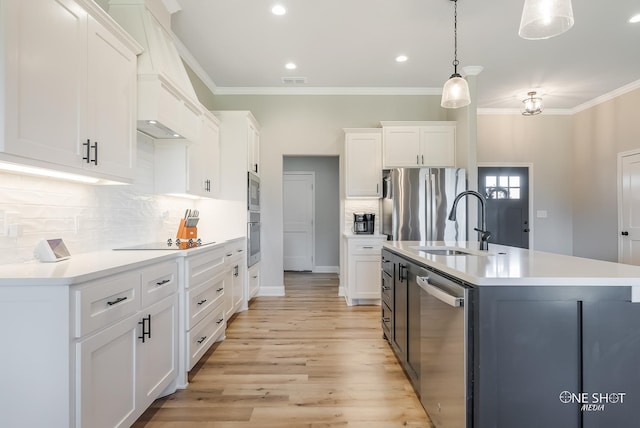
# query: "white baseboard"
326 269
341 291
272 291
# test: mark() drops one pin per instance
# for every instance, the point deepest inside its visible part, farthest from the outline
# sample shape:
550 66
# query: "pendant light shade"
455 92
542 19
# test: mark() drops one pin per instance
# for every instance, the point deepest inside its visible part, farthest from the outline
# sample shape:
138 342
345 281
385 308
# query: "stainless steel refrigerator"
417 201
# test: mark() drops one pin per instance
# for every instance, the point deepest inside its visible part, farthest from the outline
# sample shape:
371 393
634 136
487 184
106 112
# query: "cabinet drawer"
365 246
203 267
387 288
102 302
158 282
203 299
205 333
387 320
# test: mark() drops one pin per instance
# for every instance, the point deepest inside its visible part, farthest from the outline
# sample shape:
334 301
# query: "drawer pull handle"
386 320
368 247
219 289
220 320
385 288
202 339
202 302
254 276
163 282
118 300
239 251
230 254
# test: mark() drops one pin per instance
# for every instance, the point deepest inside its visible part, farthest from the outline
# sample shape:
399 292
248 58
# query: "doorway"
506 189
628 208
325 250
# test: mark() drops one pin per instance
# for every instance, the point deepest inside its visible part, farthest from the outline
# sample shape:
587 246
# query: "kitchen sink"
448 251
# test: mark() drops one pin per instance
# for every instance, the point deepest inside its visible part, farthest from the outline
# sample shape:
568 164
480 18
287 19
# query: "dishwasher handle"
443 296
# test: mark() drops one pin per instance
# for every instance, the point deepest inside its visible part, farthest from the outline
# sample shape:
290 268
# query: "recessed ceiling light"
290 66
401 58
278 10
635 18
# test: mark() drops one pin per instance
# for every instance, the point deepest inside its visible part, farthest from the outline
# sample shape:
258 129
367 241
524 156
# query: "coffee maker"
363 223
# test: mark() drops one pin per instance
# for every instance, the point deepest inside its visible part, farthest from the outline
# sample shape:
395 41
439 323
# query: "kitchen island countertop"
511 266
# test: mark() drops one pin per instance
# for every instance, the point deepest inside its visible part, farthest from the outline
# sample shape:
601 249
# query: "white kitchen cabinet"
418 144
70 89
363 163
363 269
235 279
253 149
192 168
239 147
253 280
202 302
97 371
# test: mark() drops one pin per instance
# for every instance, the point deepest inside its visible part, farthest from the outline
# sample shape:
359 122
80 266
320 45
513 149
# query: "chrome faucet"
484 233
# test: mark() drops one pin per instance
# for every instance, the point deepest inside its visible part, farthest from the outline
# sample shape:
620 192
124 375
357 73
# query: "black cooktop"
169 244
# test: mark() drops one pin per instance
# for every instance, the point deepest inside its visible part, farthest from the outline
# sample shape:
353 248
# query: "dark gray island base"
565 356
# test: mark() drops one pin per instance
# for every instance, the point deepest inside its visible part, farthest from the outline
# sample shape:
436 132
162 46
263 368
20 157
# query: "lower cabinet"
363 269
254 280
235 280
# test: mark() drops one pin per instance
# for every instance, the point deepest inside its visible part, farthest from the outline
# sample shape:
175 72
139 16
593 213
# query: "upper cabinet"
240 149
419 144
363 162
190 168
70 89
253 148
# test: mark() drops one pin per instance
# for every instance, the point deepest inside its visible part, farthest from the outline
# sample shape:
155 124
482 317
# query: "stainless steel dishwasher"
444 387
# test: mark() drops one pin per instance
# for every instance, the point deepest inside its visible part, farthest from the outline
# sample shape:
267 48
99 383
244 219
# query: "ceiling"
350 46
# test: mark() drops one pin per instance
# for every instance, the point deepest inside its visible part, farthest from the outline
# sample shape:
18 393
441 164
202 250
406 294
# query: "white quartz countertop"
88 266
503 265
351 235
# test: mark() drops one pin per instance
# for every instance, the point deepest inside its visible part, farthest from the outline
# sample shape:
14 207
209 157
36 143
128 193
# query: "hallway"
304 360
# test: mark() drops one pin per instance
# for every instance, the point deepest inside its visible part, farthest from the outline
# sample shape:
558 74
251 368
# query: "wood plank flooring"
304 360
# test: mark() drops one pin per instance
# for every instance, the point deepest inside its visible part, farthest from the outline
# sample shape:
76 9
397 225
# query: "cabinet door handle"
202 302
417 159
118 300
145 332
377 187
163 282
88 156
624 233
422 159
256 168
235 270
202 339
95 153
385 288
401 267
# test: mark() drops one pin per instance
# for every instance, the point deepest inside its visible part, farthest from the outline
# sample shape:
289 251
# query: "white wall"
545 142
309 126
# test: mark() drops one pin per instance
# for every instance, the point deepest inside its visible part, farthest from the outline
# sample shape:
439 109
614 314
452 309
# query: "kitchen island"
514 338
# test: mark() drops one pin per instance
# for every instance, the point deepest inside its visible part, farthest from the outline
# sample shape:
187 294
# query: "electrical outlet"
10 217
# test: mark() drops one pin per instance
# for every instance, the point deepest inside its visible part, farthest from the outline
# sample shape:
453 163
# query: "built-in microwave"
253 193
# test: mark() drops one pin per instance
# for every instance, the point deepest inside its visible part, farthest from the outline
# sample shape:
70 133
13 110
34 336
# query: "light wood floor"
304 360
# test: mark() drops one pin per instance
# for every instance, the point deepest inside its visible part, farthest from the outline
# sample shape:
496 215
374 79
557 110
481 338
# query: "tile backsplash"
88 218
352 206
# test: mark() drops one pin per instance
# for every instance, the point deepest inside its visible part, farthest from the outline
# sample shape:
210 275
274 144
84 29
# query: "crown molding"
607 97
307 90
517 112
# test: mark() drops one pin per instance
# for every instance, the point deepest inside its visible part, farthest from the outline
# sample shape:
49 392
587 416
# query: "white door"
298 213
629 209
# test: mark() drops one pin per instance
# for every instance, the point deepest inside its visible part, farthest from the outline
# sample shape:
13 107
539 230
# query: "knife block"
185 232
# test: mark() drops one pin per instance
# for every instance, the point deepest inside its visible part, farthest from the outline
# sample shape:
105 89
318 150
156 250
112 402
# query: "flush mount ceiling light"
531 105
278 10
455 93
542 19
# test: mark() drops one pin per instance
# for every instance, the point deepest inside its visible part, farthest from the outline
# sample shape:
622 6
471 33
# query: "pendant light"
531 105
542 19
455 92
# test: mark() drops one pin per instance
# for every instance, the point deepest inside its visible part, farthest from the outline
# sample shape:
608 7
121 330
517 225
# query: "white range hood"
167 103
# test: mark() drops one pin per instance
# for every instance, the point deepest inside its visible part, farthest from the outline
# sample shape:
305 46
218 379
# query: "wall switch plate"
541 213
